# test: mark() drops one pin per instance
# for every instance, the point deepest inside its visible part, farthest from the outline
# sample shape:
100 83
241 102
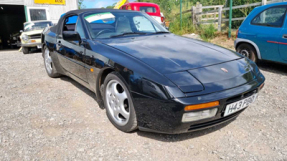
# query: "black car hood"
168 53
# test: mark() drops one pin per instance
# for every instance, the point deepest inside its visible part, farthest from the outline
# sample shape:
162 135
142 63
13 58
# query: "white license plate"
236 106
39 46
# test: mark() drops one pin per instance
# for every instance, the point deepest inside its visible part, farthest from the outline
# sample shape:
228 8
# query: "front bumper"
166 116
31 44
200 126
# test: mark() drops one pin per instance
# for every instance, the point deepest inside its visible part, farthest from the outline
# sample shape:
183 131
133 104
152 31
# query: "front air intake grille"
36 36
240 97
214 122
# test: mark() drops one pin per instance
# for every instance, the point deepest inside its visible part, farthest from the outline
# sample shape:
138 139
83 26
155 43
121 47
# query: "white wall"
13 2
54 11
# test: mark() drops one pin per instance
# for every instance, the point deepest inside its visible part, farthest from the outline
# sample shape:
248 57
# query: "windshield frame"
151 19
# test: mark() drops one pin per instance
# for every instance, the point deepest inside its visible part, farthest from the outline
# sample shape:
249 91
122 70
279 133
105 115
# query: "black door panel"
72 58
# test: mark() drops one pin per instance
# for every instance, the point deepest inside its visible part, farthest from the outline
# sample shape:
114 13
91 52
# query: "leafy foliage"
207 32
171 8
112 6
187 25
80 4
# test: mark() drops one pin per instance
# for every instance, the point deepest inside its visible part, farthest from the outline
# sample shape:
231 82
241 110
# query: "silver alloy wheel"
245 53
48 61
117 102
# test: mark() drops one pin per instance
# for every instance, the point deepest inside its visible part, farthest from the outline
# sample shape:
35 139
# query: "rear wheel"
118 102
25 50
49 66
248 51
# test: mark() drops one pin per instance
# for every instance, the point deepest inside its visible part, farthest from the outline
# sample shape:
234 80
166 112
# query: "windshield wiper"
161 32
129 33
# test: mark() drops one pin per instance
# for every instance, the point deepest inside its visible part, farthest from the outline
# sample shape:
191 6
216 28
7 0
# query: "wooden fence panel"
197 12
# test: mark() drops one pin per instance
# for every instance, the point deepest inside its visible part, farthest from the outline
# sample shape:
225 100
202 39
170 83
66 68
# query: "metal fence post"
230 18
219 18
180 14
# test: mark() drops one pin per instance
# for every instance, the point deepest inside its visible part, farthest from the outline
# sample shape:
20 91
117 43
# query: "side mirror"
21 31
71 36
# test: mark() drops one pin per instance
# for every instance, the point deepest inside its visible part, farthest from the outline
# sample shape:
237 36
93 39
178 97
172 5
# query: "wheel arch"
101 78
240 41
43 40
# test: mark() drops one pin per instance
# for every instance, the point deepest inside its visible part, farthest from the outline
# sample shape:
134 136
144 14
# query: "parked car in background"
151 9
263 34
147 77
14 40
31 36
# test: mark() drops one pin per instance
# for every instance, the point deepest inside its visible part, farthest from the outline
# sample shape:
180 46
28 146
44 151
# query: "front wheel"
25 50
118 102
49 66
248 51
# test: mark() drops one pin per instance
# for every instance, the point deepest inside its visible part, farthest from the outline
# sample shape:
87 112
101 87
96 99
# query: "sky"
100 3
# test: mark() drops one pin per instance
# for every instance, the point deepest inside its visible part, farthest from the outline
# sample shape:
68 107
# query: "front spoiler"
198 127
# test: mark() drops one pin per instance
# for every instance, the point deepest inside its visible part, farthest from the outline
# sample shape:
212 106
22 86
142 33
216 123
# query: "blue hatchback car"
263 34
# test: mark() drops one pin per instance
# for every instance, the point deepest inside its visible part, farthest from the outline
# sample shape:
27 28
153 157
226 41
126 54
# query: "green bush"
187 25
207 32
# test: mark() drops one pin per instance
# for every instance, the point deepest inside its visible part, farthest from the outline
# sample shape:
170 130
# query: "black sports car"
147 77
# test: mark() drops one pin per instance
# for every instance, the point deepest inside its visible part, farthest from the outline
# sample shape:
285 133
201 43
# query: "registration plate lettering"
236 106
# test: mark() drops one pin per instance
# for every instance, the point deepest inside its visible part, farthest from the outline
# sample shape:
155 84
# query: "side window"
80 30
70 23
273 17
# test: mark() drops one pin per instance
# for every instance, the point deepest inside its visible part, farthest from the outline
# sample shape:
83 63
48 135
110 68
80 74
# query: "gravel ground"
58 119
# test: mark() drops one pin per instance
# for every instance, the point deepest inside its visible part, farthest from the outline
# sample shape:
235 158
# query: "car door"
72 52
266 28
283 41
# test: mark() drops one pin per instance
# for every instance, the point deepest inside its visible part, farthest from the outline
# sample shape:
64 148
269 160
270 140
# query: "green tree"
80 4
112 6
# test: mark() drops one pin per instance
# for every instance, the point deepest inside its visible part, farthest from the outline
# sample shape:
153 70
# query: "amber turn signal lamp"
201 106
92 70
261 86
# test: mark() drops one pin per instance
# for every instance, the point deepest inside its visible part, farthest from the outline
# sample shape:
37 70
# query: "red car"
150 8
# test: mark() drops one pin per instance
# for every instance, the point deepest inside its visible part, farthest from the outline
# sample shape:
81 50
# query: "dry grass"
222 39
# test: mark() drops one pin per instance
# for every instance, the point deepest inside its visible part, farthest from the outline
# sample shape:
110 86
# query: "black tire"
248 51
131 124
52 72
25 50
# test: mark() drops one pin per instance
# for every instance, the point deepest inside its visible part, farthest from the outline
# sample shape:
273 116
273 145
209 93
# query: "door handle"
59 44
81 52
284 36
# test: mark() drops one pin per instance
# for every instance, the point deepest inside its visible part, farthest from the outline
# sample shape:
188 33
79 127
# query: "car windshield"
36 25
120 24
